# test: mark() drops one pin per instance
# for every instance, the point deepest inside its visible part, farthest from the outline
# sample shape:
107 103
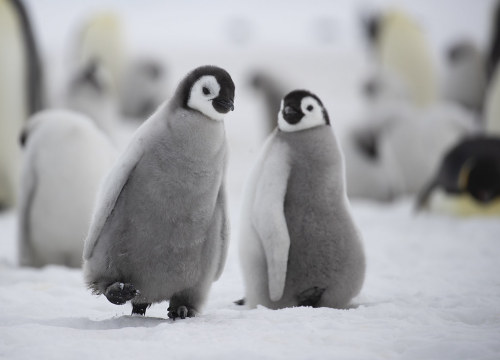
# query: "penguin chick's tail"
310 297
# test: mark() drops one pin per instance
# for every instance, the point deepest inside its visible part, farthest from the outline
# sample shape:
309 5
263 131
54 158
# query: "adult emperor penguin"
404 60
20 91
160 228
101 39
66 157
468 180
299 244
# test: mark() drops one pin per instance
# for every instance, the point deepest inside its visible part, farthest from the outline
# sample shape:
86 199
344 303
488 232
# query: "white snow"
432 287
432 291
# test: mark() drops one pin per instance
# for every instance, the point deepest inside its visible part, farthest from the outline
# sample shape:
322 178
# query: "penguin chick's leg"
310 297
139 309
186 303
119 293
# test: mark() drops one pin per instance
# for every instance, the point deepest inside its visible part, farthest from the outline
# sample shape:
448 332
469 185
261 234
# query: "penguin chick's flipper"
424 195
269 218
119 293
140 309
310 297
240 302
180 312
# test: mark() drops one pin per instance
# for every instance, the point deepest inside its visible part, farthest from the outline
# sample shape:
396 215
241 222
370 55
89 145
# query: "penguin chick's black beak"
223 105
292 115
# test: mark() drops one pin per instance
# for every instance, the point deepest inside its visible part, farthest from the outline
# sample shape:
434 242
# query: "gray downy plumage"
160 229
299 244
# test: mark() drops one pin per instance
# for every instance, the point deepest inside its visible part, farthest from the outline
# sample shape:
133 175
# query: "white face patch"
313 116
202 93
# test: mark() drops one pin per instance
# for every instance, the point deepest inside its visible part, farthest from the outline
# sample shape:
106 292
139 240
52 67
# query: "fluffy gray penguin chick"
160 229
299 244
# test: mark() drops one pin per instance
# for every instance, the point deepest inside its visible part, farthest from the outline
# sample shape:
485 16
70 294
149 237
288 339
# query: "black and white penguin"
299 245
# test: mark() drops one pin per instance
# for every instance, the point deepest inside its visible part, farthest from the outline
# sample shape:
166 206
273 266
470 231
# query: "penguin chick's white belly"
160 234
325 247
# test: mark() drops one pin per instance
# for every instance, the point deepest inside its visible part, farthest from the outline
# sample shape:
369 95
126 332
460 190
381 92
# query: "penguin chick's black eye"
205 90
309 108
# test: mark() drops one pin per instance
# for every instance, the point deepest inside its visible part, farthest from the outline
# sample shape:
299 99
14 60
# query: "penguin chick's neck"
202 133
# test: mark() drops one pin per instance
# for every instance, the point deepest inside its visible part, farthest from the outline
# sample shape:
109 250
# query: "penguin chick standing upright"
299 244
66 157
160 229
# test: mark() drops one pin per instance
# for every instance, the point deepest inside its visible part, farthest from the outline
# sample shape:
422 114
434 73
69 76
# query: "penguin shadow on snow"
82 323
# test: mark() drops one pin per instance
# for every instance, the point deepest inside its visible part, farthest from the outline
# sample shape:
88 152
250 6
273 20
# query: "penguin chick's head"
209 90
301 110
481 178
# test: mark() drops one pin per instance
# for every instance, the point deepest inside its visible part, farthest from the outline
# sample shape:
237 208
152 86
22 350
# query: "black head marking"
484 179
223 102
292 112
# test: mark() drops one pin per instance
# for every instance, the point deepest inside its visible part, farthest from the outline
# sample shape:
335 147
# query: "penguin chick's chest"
175 185
314 202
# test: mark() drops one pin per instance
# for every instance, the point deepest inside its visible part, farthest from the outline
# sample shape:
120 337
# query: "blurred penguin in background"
403 60
131 87
66 156
492 99
494 47
20 91
405 130
143 87
101 40
90 92
468 180
465 77
272 91
492 106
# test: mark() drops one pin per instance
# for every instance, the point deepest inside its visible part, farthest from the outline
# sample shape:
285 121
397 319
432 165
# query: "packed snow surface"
432 291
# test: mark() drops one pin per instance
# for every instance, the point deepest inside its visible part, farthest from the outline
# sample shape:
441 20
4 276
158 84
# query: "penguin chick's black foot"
181 312
240 302
139 309
119 293
310 297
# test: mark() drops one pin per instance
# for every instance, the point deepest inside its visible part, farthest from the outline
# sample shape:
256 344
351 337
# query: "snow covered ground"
432 287
432 291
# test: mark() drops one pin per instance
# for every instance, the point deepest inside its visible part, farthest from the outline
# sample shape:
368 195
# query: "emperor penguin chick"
66 157
160 229
299 244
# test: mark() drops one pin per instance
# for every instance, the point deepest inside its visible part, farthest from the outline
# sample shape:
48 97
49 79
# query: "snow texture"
432 292
432 287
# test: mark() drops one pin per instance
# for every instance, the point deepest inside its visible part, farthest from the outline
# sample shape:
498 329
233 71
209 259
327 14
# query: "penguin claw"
181 312
119 293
